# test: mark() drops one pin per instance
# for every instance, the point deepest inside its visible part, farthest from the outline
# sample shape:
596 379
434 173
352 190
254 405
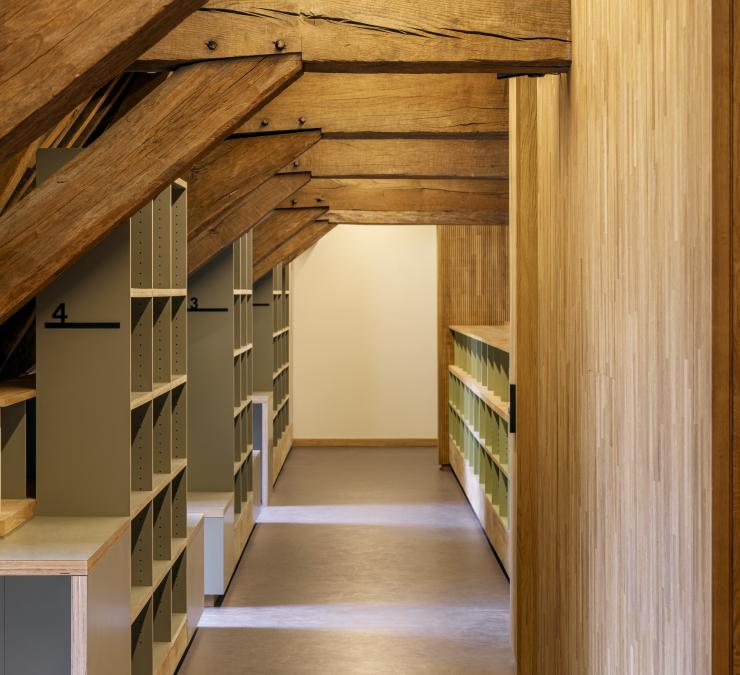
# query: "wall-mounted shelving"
111 470
479 427
17 405
272 359
220 352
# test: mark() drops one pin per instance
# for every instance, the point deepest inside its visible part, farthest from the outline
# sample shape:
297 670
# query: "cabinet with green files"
479 425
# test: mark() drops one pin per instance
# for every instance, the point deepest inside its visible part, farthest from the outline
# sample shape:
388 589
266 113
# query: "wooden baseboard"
365 442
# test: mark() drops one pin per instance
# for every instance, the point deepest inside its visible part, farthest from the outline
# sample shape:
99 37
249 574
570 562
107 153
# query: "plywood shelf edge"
17 390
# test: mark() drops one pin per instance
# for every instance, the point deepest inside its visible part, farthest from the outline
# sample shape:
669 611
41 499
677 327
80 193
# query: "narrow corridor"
369 561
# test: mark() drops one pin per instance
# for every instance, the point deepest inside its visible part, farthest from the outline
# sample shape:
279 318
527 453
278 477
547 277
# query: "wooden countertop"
48 545
210 504
494 336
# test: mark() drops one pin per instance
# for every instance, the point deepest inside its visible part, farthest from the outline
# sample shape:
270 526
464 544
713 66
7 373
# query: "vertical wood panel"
472 289
624 316
725 653
527 605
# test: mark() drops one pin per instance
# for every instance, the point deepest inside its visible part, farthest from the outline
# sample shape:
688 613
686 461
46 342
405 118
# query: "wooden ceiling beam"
155 143
56 54
406 158
386 35
277 228
362 104
405 201
234 168
356 217
293 246
253 208
405 194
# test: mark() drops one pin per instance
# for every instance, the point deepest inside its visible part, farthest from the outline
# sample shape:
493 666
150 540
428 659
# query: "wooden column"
523 370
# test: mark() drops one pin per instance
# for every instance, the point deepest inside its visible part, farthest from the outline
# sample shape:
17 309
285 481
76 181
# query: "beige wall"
364 308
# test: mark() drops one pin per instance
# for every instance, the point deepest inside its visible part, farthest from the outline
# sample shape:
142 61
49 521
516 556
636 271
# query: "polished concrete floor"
369 561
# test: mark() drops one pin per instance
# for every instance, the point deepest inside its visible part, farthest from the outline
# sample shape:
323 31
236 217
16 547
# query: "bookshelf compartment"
142 642
237 313
250 320
249 421
179 506
162 340
237 438
162 610
141 345
244 428
162 239
162 433
243 340
141 448
179 237
237 493
243 378
13 450
179 585
237 382
142 548
179 422
179 336
162 524
141 248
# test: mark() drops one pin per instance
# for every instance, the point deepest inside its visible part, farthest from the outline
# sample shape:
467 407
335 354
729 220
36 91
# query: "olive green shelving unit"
479 427
272 359
220 387
115 561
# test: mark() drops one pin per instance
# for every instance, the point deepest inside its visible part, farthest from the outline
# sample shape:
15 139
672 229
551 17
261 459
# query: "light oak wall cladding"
623 386
472 289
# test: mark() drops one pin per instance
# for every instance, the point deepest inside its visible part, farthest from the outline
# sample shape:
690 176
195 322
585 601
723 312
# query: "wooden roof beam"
151 146
356 217
253 208
55 55
406 158
386 35
367 104
277 228
292 247
233 169
408 201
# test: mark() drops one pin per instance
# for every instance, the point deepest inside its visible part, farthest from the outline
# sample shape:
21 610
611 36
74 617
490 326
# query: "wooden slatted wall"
472 289
622 515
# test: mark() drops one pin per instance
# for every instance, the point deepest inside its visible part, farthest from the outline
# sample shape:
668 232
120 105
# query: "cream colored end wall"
364 347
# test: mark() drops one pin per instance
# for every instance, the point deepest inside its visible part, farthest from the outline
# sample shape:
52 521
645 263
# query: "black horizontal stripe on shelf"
208 309
84 325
